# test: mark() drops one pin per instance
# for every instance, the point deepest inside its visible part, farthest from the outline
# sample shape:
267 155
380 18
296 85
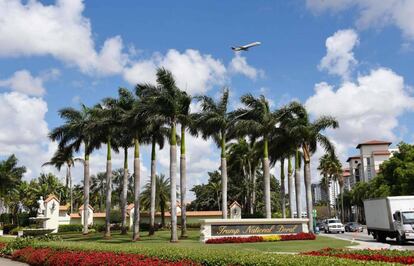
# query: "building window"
369 168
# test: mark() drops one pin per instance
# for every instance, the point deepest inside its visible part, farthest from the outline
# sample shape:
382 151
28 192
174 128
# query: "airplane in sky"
245 47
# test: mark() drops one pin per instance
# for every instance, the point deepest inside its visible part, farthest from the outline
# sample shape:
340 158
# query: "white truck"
391 217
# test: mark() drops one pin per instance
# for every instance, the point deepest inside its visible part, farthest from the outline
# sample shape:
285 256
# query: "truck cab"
404 225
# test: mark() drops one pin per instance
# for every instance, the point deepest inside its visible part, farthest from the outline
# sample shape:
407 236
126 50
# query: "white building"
365 166
334 191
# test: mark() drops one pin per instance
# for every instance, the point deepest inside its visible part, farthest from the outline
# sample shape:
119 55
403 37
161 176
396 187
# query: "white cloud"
366 109
194 72
23 81
24 129
339 58
373 13
31 28
239 65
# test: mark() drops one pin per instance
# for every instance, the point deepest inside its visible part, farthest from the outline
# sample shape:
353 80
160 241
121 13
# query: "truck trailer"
391 217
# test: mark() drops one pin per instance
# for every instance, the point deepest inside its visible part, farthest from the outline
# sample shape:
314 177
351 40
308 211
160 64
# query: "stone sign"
216 228
255 229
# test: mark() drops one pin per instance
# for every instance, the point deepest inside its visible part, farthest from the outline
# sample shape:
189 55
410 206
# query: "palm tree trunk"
153 189
282 187
137 192
183 185
108 190
290 186
70 188
162 209
254 191
298 188
173 182
342 204
251 184
223 177
266 176
308 188
86 193
124 193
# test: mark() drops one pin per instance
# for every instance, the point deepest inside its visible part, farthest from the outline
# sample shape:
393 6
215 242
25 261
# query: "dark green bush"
193 225
23 219
70 228
6 218
115 217
8 227
98 227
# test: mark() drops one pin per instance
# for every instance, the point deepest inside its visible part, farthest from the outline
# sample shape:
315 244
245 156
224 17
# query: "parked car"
353 227
321 226
334 226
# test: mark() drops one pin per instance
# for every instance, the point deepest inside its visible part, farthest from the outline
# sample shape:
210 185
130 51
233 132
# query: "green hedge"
207 257
70 228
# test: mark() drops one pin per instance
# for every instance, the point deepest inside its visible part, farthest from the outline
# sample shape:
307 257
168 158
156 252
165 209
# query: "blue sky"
57 54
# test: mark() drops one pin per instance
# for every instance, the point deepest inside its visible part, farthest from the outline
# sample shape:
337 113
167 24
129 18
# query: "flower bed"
50 257
390 256
269 238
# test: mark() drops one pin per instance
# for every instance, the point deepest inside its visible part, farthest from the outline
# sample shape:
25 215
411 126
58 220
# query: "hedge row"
50 257
203 256
391 256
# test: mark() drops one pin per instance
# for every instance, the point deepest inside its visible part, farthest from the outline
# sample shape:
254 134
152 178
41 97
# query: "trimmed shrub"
6 218
70 228
8 227
115 217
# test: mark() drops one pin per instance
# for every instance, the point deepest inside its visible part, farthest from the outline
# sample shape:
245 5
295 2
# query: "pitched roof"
81 207
383 152
75 215
50 197
374 142
235 203
64 208
353 157
130 206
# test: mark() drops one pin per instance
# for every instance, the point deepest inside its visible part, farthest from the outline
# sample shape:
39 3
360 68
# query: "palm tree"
282 187
10 178
156 133
165 98
257 120
127 136
309 134
65 157
184 118
291 184
98 188
71 135
162 195
215 121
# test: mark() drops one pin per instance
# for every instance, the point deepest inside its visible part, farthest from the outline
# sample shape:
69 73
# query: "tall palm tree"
309 134
257 120
162 195
184 118
291 188
282 187
156 133
65 157
215 121
105 123
166 100
71 135
127 135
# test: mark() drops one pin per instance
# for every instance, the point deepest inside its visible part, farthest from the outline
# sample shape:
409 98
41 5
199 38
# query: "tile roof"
64 208
50 197
383 152
353 157
374 142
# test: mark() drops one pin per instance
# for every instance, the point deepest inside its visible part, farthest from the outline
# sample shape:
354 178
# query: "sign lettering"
255 229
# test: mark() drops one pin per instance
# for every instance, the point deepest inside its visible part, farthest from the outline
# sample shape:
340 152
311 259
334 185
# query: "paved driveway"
7 262
367 241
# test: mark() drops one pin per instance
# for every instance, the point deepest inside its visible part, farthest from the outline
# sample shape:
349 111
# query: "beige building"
365 166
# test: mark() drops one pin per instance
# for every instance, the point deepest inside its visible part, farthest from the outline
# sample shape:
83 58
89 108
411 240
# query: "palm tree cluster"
152 115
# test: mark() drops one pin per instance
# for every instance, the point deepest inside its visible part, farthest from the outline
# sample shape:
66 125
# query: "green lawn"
161 239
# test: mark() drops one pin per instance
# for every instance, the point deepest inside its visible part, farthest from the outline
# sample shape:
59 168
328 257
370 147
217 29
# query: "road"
369 242
8 262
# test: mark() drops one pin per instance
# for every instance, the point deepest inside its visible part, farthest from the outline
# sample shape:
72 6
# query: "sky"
352 59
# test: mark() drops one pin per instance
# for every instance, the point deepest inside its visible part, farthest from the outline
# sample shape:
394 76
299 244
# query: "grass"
161 239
